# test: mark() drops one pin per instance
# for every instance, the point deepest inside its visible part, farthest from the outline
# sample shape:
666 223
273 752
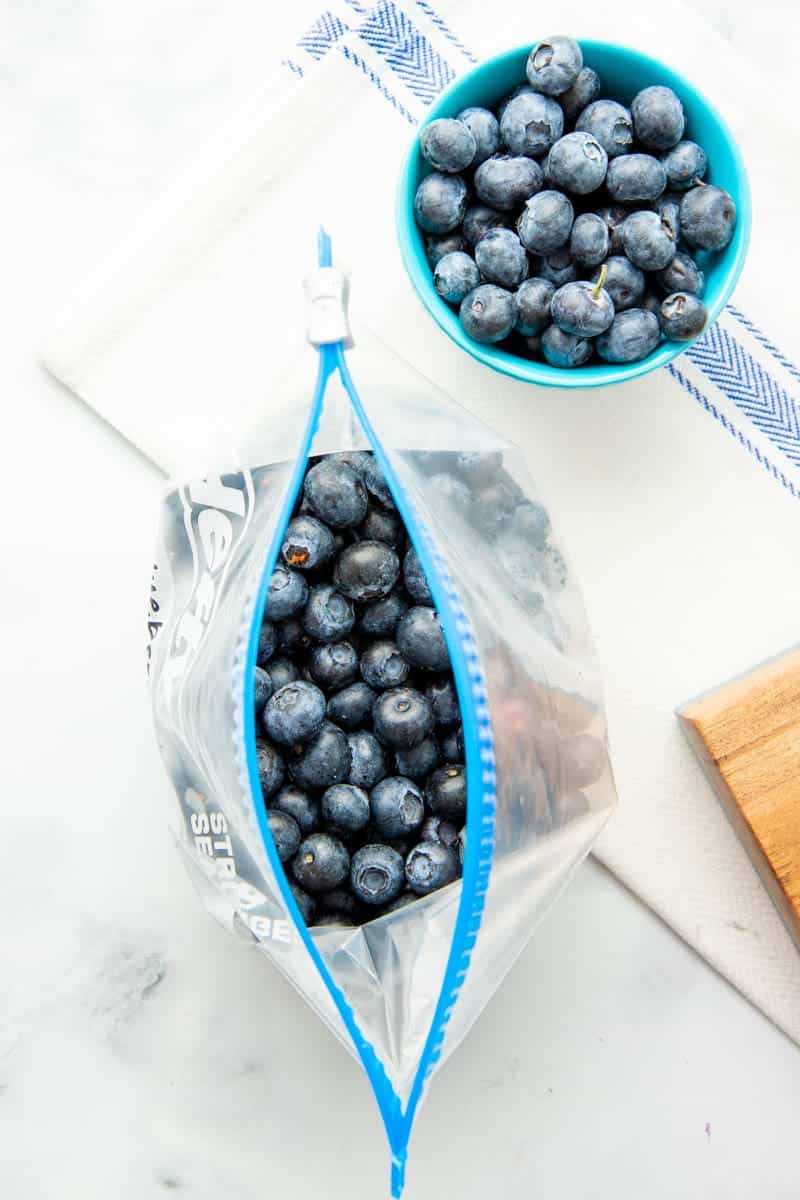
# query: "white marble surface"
142 1051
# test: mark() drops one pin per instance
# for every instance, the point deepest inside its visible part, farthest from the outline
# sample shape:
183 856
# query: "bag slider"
326 290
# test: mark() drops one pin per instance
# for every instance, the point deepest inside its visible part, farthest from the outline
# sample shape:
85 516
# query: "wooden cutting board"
746 733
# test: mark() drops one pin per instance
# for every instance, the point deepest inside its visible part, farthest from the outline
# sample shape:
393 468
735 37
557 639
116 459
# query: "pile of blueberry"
571 224
358 727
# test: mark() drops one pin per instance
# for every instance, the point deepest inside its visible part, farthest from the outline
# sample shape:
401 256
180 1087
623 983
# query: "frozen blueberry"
288 592
262 689
521 89
452 491
682 275
553 65
307 544
440 202
708 217
376 482
556 267
685 165
589 241
452 746
417 762
479 219
577 98
383 666
530 124
448 145
334 665
635 178
267 643
376 875
562 349
366 570
531 521
492 508
483 126
436 246
292 641
336 493
429 866
583 308
610 123
294 713
297 804
545 222
329 615
382 525
577 163
437 829
478 468
446 792
489 313
367 762
339 901
624 282
683 316
345 808
402 717
397 807
379 618
321 863
270 767
415 579
501 258
355 459
285 834
614 215
651 303
533 305
505 181
420 638
321 762
461 845
334 921
658 118
454 276
633 335
522 561
648 242
304 902
402 901
351 707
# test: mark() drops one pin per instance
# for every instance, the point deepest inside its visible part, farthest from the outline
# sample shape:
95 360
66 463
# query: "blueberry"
682 275
307 544
634 334
366 570
397 807
417 762
478 469
329 616
651 303
379 618
270 768
448 145
530 520
415 578
452 746
635 178
589 241
522 561
437 829
294 713
402 717
504 181
484 128
357 460
293 641
648 242
339 901
447 243
668 208
552 567
479 219
298 805
383 666
440 202
334 665
492 508
351 707
288 592
336 493
501 258
321 762
430 866
556 267
455 275
583 308
382 525
614 215
683 316
345 808
262 689
285 834
553 65
321 863
367 763
421 639
333 920
488 313
267 643
685 165
531 124
658 118
522 89
304 902
610 123
402 901
708 217
376 482
376 875
624 282
545 222
280 672
577 98
562 349
452 491
446 792
578 163
461 845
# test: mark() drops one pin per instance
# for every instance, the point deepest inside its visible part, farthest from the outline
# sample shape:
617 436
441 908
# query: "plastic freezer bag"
402 990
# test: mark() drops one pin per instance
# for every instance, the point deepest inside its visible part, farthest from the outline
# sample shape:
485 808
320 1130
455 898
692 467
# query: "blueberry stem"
598 287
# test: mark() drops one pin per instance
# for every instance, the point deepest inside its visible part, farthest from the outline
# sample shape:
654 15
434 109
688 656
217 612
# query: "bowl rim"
529 370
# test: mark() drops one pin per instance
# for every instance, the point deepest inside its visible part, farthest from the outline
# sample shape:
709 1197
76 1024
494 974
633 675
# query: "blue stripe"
776 353
444 28
326 31
294 67
359 62
390 32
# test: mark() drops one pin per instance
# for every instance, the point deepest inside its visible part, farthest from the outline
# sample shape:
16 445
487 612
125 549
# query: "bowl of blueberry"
573 214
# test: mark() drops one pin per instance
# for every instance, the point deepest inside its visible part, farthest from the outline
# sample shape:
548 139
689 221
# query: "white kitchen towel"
677 493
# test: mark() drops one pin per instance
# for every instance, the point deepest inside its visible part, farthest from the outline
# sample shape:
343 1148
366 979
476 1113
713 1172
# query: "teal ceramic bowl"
623 72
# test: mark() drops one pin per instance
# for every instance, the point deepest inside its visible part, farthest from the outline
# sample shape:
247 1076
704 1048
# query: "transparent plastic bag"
401 991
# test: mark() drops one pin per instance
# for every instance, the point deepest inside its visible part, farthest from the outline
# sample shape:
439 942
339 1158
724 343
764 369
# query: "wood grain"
747 735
